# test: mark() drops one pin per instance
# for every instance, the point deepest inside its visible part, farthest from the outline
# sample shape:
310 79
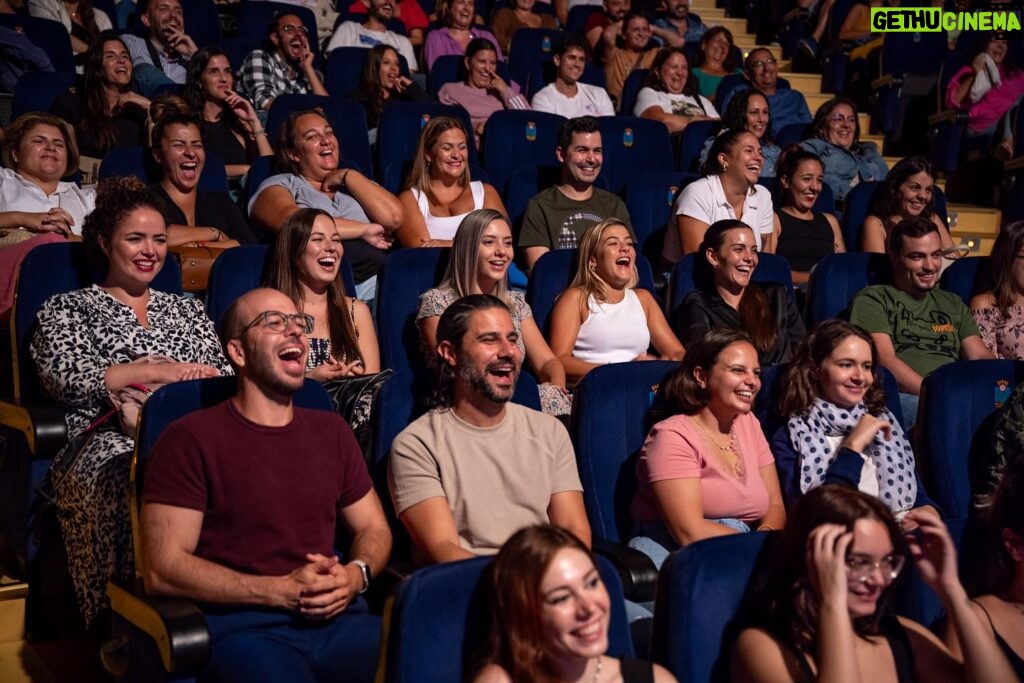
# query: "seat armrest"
637 571
886 81
176 625
43 425
1014 164
953 116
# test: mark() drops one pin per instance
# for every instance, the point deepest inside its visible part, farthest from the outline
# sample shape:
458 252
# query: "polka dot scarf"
893 459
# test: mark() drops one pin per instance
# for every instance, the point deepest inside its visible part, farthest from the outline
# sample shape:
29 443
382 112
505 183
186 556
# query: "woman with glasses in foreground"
824 610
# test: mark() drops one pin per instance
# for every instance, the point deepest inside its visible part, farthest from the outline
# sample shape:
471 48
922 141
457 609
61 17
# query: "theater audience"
306 266
635 32
374 31
567 96
761 72
365 213
410 13
439 193
231 128
836 141
481 255
670 93
96 343
194 217
906 192
999 312
728 190
805 235
726 296
603 317
824 609
839 430
160 56
707 470
36 206
677 19
457 31
286 68
518 14
83 22
484 91
106 112
380 83
544 586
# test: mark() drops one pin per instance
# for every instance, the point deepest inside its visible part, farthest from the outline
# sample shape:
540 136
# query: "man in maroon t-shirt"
240 507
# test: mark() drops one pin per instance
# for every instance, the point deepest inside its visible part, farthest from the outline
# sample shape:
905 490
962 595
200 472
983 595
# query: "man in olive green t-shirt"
916 326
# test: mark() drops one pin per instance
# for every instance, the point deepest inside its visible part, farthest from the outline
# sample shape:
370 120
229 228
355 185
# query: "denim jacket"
843 166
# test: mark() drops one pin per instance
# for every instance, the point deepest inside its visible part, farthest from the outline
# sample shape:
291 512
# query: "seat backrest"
243 269
254 17
577 18
47 35
836 280
516 138
632 86
524 183
406 275
614 408
649 200
400 124
345 65
552 274
770 268
631 143
917 52
968 276
36 90
439 621
202 22
957 432
138 161
528 47
51 269
700 590
859 204
348 119
791 134
691 143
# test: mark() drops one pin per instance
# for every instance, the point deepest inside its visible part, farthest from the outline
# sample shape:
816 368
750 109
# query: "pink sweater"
676 449
995 103
482 102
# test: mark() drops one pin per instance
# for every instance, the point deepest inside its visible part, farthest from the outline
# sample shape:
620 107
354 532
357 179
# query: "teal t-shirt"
925 333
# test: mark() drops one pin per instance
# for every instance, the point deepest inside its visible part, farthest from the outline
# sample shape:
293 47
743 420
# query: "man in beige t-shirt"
471 472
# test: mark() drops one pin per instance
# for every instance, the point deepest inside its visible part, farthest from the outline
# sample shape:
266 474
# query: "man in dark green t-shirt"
558 216
916 326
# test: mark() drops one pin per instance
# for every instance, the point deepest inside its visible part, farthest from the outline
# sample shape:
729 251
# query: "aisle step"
738 27
805 83
889 161
968 219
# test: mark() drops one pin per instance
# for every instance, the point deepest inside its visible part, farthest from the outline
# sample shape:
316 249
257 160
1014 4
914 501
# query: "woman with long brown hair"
550 615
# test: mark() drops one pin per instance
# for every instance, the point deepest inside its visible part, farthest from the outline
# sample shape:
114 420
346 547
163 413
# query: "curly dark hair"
115 199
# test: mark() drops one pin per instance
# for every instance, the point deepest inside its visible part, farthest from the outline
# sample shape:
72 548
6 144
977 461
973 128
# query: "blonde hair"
461 274
587 278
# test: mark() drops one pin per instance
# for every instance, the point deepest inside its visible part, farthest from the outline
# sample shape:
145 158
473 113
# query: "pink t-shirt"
676 449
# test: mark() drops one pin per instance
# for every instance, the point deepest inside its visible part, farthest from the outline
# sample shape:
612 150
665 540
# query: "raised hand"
826 561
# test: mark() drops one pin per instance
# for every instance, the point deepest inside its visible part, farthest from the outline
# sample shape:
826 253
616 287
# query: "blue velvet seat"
632 144
967 277
836 280
515 139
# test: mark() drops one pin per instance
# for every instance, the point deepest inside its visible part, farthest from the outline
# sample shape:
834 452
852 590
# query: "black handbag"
353 399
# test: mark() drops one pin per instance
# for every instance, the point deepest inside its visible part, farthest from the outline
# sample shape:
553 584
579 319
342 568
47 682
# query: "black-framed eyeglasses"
288 29
279 322
761 63
860 567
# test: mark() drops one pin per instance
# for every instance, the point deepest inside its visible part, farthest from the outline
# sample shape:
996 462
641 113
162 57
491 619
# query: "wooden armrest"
947 115
43 425
885 81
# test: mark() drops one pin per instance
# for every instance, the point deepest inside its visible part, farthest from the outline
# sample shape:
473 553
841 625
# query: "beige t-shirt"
496 480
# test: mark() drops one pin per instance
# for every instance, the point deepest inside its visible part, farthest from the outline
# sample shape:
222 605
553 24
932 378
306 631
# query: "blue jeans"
255 645
149 78
908 404
654 540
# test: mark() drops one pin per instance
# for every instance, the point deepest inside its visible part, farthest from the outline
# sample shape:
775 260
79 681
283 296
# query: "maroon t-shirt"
269 495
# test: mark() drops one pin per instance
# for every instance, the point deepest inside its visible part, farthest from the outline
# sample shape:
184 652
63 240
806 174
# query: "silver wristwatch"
367 574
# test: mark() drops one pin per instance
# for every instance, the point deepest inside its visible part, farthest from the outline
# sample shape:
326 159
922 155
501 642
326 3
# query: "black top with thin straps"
895 635
636 670
1016 661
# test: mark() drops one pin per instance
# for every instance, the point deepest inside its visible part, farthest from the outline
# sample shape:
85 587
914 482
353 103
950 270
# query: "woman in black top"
104 111
823 611
233 131
807 235
726 296
193 217
382 83
550 614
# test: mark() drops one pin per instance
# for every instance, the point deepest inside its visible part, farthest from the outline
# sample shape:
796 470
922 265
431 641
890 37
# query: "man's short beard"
477 382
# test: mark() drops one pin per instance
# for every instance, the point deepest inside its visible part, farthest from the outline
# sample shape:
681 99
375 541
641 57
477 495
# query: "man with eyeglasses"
287 69
162 57
239 512
761 71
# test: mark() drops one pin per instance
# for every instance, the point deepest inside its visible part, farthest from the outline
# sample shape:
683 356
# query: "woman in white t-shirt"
671 94
603 317
439 193
728 190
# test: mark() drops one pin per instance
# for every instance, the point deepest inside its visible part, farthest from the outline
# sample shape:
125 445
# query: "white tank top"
613 333
444 227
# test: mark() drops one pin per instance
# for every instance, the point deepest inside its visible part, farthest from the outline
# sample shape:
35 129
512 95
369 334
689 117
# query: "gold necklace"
737 467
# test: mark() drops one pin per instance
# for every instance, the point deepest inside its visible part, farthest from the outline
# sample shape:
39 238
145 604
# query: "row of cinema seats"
38 431
436 618
613 409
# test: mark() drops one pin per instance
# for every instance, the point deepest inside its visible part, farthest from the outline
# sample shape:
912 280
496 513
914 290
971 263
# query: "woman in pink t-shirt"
707 470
